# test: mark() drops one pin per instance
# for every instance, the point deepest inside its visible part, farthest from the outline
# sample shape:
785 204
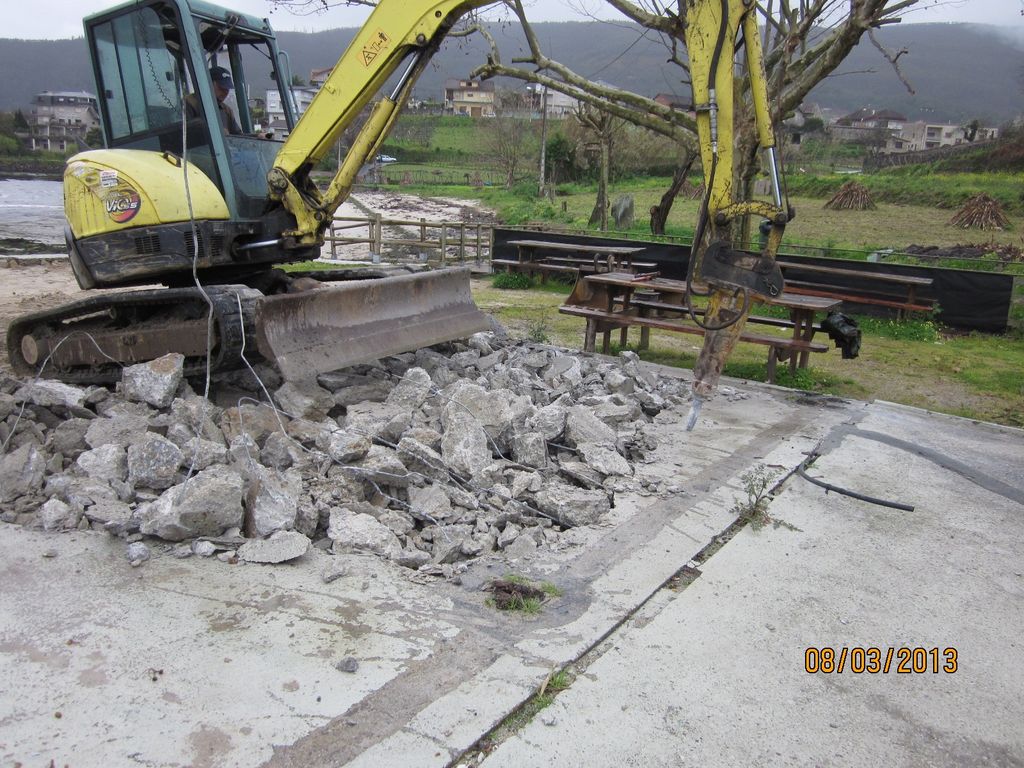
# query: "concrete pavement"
196 662
715 675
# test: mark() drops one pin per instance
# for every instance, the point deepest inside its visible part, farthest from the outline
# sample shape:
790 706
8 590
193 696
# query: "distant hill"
960 72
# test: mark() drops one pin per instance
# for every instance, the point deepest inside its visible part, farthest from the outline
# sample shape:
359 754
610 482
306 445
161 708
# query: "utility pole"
543 135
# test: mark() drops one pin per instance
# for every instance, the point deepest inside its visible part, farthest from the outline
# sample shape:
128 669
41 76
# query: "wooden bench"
540 267
663 306
598 320
912 302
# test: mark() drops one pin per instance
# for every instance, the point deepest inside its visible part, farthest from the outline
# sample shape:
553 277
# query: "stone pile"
427 458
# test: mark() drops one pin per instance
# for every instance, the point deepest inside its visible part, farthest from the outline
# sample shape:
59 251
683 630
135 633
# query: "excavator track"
90 341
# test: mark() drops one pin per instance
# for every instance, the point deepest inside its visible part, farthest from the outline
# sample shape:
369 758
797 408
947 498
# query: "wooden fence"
441 241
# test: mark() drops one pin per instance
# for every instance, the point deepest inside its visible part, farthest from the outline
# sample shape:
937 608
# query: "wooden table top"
665 285
620 250
884 276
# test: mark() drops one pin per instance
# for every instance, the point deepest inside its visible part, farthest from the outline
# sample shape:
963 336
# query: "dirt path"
31 289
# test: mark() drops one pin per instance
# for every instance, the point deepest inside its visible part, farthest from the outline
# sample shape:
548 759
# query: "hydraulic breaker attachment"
363 320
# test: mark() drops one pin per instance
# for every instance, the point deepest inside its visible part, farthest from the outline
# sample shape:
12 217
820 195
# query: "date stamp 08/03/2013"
875 660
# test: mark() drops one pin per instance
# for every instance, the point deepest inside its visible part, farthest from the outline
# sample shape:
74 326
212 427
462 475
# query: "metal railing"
443 240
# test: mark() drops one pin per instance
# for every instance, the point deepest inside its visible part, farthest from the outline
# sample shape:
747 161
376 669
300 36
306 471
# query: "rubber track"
228 329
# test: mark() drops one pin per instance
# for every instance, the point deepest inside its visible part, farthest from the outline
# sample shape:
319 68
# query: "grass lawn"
978 376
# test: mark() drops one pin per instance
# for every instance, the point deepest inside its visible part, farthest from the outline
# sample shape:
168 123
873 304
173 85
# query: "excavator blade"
363 320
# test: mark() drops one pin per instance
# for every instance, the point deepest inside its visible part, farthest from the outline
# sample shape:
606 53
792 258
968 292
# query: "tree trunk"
600 213
660 212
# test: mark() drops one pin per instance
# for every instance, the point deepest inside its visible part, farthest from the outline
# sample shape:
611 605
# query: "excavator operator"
222 85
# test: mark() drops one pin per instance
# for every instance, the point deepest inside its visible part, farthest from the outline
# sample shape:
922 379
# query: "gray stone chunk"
550 420
344 446
604 460
508 535
352 532
273 501
617 382
153 462
464 445
55 515
572 506
277 451
106 463
448 540
411 557
530 448
203 453
244 451
481 342
617 410
563 370
521 547
257 421
429 502
121 429
21 473
382 466
48 394
378 420
209 504
281 547
137 553
421 458
304 399
400 523
8 405
198 415
68 437
155 382
582 426
110 512
411 391
204 548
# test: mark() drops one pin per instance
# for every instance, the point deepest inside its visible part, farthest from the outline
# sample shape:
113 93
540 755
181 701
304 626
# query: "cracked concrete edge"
950 418
444 731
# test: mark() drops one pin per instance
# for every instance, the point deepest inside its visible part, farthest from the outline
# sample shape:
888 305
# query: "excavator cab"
152 63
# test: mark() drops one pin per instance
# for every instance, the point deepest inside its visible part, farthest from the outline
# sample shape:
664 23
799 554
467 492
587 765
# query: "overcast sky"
50 19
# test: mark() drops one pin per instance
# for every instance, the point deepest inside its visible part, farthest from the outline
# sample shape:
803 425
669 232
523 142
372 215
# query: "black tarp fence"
968 300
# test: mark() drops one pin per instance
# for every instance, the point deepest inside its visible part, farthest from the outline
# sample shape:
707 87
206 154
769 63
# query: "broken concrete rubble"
154 382
428 459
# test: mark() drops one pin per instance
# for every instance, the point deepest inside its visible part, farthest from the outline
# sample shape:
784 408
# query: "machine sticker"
108 178
375 47
122 204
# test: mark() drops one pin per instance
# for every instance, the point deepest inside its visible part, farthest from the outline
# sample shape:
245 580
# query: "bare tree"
602 126
509 134
804 43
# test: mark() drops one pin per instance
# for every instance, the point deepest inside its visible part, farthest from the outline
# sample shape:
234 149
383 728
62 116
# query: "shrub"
515 281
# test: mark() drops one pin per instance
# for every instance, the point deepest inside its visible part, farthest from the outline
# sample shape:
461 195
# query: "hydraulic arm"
406 32
731 279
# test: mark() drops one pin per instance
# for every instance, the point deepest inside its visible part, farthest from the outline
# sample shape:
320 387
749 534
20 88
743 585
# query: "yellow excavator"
191 193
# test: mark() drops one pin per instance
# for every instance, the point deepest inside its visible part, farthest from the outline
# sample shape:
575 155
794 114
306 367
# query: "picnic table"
620 300
911 302
578 258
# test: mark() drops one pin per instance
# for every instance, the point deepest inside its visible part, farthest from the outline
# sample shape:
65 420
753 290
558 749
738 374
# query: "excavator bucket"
363 320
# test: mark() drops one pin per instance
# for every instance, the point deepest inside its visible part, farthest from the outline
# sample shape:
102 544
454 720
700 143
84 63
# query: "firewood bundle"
851 197
981 212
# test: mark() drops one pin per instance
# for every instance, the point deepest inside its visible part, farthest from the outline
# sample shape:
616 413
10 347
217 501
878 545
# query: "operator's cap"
222 77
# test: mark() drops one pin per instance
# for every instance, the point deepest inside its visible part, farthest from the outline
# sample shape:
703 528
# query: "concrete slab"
715 675
247 652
